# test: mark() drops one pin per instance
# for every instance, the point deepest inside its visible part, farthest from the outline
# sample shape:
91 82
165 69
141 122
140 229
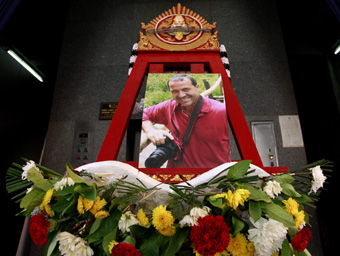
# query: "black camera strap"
193 118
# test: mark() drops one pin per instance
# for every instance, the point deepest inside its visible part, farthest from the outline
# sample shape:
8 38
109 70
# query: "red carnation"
301 240
211 235
38 229
124 249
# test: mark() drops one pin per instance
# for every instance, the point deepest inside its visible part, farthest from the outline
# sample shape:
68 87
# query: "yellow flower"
299 219
111 245
87 204
168 231
235 199
291 206
276 253
101 214
239 246
141 216
46 200
163 220
80 205
98 205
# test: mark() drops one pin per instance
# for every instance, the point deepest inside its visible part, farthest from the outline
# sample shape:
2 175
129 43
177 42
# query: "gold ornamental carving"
178 29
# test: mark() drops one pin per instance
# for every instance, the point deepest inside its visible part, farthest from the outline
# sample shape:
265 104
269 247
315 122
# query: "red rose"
301 240
211 235
124 249
38 229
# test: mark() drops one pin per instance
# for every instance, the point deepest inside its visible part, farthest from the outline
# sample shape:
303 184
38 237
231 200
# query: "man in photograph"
208 140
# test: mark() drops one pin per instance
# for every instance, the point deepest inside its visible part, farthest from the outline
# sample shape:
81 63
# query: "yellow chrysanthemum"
141 216
80 205
291 206
87 204
276 253
224 253
238 246
299 219
235 199
163 220
101 214
48 197
48 210
111 245
46 200
98 205
168 231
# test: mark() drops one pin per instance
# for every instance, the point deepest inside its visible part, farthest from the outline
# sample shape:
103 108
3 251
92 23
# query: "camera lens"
164 152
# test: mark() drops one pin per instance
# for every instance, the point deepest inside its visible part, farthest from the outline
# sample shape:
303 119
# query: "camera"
164 152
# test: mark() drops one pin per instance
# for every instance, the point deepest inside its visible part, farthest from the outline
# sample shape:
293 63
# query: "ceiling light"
25 65
337 49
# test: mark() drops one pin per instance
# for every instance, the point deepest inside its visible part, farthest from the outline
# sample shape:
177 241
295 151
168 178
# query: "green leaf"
109 238
238 170
257 194
255 210
103 227
32 199
130 240
285 178
286 249
150 246
51 245
87 191
76 178
176 241
289 190
38 179
277 213
65 191
238 224
138 231
217 202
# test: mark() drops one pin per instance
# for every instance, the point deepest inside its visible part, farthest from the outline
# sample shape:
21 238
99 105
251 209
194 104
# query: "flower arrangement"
234 213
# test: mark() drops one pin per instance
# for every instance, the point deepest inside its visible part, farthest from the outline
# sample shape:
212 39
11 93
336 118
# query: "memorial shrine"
180 40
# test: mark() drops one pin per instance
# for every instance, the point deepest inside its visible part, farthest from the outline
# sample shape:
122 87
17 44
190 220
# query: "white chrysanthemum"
70 245
29 165
318 178
64 182
195 213
272 189
128 219
267 236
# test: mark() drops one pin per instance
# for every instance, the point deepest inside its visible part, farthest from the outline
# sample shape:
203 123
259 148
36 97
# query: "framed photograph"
184 122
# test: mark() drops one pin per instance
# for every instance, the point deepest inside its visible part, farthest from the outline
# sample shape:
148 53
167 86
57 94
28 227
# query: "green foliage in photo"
157 89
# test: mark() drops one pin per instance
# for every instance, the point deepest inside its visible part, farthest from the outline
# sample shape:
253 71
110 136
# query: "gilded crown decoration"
178 29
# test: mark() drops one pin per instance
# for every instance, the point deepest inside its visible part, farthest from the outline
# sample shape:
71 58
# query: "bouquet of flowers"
235 212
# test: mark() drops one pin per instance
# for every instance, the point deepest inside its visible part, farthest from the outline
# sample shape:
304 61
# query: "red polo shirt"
208 144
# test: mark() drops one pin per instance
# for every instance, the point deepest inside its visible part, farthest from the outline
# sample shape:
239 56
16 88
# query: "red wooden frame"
155 62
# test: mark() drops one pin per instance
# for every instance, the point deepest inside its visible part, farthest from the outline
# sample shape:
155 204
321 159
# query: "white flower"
187 220
70 245
195 213
65 181
267 236
29 165
272 189
128 219
318 179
